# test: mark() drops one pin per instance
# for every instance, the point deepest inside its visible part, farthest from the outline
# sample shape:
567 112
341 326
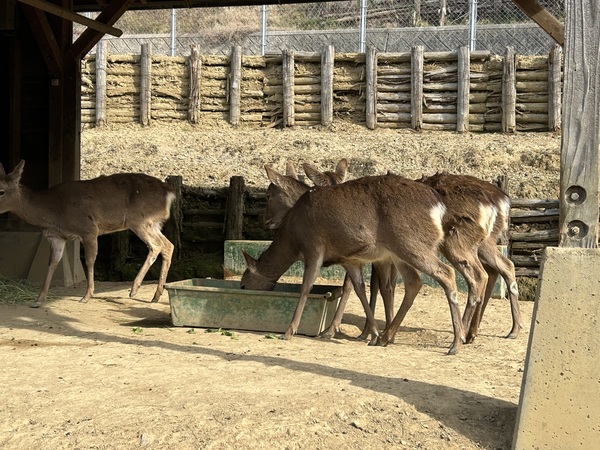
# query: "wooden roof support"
543 18
44 36
578 218
74 17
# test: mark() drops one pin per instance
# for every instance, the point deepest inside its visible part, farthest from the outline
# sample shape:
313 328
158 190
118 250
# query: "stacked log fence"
459 91
204 218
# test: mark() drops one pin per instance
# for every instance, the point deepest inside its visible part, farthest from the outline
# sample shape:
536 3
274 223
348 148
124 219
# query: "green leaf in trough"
137 330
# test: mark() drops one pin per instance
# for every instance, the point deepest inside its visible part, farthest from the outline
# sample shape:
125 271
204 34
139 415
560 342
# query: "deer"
84 209
464 195
282 194
375 218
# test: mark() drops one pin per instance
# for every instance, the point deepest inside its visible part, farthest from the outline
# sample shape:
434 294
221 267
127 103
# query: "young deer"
477 213
84 210
378 218
464 196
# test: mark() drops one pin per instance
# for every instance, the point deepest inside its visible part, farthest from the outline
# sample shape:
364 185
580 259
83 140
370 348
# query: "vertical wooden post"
327 62
174 225
101 83
145 83
416 87
288 88
194 105
234 216
464 89
509 92
578 217
235 82
371 87
555 88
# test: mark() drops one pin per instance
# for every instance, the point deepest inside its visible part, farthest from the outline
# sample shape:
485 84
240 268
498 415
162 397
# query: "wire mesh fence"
389 25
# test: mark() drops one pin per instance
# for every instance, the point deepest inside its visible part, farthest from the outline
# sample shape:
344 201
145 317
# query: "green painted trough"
235 264
212 303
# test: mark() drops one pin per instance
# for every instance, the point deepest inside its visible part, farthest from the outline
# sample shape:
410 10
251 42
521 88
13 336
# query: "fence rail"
462 90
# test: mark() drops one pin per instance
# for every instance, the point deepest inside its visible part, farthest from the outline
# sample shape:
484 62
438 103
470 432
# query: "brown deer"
377 218
84 210
465 197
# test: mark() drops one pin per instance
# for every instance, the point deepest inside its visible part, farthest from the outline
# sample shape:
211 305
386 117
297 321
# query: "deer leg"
497 263
431 265
356 276
412 286
154 244
377 276
339 312
167 255
468 265
311 271
57 247
90 248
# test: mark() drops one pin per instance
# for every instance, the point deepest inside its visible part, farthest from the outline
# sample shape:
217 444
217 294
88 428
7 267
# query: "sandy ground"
114 373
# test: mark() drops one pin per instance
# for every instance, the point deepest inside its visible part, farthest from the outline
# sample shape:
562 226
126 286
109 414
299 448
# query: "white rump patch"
487 217
437 214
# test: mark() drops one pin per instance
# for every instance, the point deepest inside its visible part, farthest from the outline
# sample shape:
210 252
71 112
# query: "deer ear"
290 170
315 175
15 175
275 177
341 170
250 261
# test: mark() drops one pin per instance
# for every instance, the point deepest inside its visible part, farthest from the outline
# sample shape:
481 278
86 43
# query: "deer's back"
112 202
368 211
467 198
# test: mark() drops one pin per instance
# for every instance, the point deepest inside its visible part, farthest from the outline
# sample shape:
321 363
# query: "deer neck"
36 208
277 258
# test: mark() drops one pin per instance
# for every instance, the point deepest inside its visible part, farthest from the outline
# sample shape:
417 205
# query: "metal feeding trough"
211 303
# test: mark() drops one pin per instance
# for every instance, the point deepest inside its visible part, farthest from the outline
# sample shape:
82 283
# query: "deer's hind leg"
167 255
153 238
90 248
339 312
57 248
496 263
412 286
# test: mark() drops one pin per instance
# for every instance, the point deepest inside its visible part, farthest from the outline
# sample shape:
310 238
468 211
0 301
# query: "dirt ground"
114 373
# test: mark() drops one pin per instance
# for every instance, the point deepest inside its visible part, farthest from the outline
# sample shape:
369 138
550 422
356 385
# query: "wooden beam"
543 18
74 17
90 37
44 36
578 222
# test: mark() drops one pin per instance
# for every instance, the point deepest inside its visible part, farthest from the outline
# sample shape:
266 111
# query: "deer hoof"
512 335
452 350
35 305
327 334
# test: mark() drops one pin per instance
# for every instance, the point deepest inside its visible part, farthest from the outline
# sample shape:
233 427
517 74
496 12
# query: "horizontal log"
526 260
527 215
394 125
533 203
527 272
532 107
532 86
393 117
532 75
532 118
536 236
394 96
524 62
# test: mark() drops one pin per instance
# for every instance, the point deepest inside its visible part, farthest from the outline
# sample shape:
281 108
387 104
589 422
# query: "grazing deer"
464 195
377 218
84 210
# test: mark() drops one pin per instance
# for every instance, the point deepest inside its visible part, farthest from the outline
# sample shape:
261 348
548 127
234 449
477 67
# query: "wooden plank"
462 100
234 217
417 87
145 83
555 88
195 73
509 92
371 87
327 85
543 18
235 82
580 139
101 83
288 88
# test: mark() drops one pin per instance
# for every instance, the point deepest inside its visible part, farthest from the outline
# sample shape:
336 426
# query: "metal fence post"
363 27
173 31
472 24
263 30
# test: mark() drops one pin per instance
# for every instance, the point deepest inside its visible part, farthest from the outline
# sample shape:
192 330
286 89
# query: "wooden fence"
463 90
210 216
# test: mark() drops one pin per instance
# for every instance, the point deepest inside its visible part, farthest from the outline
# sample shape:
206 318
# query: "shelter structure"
40 94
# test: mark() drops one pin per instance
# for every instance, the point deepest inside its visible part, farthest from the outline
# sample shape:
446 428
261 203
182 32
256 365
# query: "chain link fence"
389 25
